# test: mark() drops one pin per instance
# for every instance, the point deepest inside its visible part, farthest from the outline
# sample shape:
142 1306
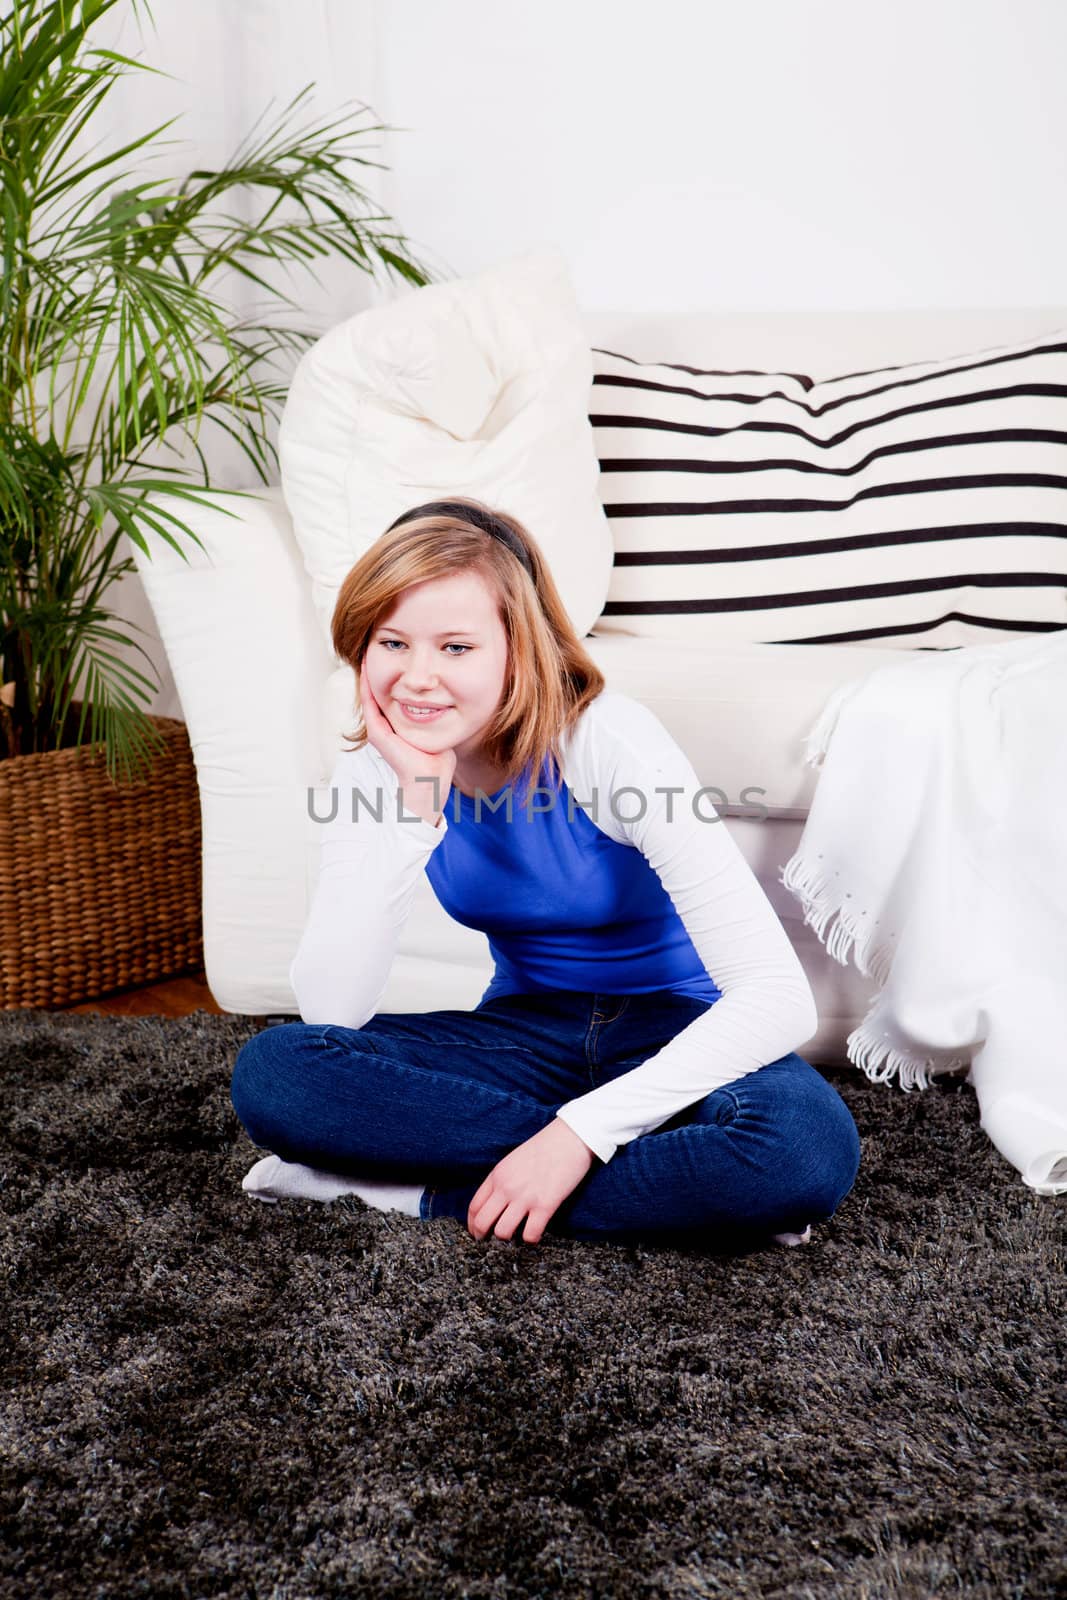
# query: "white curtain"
233 68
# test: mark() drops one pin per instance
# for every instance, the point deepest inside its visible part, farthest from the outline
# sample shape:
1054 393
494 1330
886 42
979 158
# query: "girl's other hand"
527 1188
437 769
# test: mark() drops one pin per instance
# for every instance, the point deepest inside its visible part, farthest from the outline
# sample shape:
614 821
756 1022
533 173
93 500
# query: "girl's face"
443 644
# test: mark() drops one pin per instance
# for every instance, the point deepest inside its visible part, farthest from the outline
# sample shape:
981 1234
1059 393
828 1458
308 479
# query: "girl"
630 1071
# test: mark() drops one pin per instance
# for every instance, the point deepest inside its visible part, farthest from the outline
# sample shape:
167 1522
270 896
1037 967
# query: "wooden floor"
178 997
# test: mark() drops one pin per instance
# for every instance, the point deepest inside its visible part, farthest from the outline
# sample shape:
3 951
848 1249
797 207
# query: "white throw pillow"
477 387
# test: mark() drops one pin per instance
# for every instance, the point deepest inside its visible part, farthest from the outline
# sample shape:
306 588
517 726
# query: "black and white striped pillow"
920 506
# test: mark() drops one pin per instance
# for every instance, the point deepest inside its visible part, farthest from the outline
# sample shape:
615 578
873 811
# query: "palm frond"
113 343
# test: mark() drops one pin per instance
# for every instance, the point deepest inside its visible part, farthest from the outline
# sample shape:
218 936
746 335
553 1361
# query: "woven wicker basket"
99 882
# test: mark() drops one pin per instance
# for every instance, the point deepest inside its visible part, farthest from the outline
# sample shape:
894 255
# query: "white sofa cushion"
741 712
477 387
917 506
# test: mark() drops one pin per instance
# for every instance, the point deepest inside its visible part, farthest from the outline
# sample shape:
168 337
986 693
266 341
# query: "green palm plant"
112 347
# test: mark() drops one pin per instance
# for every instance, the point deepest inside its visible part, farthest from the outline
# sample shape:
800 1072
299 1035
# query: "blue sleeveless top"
563 905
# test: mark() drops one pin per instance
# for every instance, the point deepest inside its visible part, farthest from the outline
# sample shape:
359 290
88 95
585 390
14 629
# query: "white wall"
692 154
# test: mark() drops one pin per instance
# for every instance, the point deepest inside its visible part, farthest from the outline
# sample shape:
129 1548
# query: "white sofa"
246 646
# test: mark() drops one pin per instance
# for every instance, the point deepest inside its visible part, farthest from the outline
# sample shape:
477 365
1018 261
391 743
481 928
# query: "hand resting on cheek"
408 762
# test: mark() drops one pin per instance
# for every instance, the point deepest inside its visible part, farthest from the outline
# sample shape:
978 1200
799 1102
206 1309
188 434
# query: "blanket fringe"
849 936
817 742
868 1050
867 1046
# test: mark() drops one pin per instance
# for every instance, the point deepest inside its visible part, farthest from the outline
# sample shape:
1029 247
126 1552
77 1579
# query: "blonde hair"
550 677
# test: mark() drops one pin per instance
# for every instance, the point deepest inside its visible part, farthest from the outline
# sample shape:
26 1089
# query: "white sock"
273 1179
794 1238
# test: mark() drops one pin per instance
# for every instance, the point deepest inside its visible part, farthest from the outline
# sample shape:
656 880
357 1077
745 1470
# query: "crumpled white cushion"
477 387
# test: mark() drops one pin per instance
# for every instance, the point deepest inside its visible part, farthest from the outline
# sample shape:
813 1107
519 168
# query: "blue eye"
452 645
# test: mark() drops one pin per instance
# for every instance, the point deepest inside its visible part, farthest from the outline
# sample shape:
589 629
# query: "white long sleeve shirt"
623 881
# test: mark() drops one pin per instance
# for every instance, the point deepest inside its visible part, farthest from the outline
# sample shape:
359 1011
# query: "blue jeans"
439 1097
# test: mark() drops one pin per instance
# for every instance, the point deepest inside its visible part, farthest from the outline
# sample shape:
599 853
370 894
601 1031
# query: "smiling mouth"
422 713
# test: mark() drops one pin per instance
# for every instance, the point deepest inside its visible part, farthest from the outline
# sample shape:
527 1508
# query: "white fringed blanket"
937 839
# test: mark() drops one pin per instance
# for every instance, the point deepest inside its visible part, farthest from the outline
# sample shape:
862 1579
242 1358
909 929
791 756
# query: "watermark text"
627 805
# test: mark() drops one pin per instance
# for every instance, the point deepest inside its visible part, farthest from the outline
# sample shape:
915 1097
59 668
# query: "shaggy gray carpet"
203 1395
